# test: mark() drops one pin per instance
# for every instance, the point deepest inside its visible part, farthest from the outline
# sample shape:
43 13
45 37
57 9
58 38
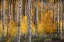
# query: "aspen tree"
19 13
23 7
58 26
36 18
63 18
3 13
0 9
53 10
8 19
29 21
14 3
42 8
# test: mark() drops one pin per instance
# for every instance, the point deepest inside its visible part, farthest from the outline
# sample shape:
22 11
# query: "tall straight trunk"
29 21
53 11
26 8
14 3
36 17
58 19
9 11
23 7
19 13
3 13
63 18
41 8
0 10
16 9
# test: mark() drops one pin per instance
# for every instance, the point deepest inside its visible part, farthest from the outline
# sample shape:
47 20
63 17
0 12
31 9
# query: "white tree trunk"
29 21
19 13
58 19
3 13
36 17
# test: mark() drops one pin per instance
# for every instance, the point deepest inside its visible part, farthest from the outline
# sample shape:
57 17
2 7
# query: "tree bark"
0 10
53 11
14 3
3 13
41 8
36 18
19 13
29 21
23 7
63 18
58 19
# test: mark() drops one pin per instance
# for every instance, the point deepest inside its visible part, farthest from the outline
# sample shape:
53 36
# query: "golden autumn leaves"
48 24
45 26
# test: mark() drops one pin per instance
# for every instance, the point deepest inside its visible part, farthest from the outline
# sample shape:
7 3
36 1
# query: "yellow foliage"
24 25
60 26
24 28
40 29
48 24
9 40
33 28
44 26
13 29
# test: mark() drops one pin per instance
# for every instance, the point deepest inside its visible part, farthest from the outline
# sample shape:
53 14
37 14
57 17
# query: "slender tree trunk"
3 13
14 3
36 18
19 13
26 8
9 18
8 21
29 21
23 7
0 15
11 10
41 8
58 19
63 19
0 10
53 11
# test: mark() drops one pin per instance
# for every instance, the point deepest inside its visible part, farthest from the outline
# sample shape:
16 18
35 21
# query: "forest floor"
58 41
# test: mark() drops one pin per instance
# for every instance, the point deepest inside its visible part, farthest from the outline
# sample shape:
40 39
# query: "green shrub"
38 39
47 40
24 39
55 38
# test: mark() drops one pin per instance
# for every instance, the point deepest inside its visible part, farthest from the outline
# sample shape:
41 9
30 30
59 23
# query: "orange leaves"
0 27
49 26
40 29
13 28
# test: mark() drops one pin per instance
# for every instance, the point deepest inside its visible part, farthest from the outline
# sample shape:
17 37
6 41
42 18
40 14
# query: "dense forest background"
30 18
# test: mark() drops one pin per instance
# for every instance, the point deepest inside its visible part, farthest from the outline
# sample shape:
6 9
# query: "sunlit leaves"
49 26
